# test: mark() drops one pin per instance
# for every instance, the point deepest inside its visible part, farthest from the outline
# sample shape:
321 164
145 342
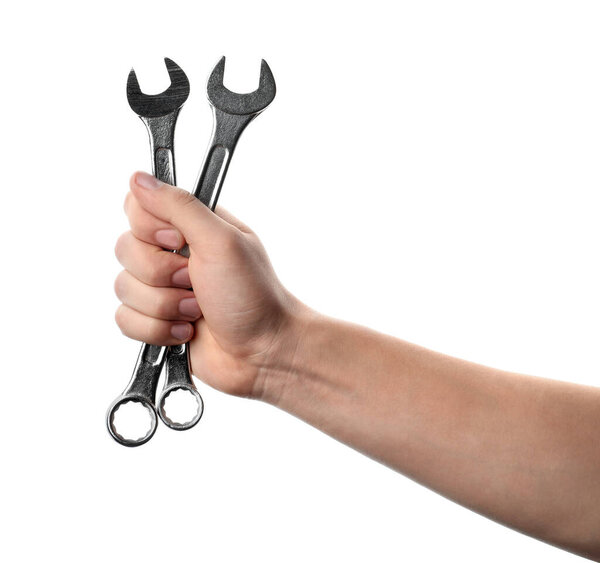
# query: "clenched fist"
225 300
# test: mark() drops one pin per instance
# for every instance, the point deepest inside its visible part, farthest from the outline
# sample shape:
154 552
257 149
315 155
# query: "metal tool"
159 113
232 112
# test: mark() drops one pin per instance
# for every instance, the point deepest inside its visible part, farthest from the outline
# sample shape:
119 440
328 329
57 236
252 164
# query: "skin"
522 450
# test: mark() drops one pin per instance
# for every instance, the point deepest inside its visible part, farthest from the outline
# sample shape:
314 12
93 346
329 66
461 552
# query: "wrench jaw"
266 83
232 113
110 420
158 105
233 103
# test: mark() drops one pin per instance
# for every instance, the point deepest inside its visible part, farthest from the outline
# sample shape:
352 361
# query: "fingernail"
167 238
181 278
181 331
189 307
147 181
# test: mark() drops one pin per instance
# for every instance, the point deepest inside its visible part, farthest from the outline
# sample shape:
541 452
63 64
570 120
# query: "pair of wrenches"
232 112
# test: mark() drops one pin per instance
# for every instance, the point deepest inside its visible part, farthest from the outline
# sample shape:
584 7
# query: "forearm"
522 450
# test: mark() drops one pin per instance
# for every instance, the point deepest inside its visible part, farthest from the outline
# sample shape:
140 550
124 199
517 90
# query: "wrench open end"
157 105
241 104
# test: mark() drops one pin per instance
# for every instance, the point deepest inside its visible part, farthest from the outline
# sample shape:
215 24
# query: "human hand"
238 317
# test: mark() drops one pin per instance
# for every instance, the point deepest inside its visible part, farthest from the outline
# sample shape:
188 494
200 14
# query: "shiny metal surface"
159 114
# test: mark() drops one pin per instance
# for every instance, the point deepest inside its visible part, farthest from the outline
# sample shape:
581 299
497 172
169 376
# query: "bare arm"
522 450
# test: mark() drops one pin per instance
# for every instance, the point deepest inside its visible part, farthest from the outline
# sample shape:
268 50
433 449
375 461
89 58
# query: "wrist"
284 357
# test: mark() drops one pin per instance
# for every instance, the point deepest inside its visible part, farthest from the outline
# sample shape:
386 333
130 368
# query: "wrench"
231 114
159 114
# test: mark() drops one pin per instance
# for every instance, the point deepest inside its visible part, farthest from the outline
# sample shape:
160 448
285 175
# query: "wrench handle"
160 130
164 165
151 358
146 373
212 175
227 130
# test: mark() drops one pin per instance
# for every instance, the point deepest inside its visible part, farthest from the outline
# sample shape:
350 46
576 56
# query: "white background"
429 169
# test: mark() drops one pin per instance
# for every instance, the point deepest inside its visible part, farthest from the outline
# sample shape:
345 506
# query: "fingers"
157 231
166 303
152 330
155 307
174 206
150 264
149 228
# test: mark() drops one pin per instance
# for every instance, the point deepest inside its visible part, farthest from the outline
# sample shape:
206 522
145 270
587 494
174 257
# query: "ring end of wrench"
163 414
110 420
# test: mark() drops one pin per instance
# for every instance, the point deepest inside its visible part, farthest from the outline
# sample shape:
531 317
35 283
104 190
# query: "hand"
238 313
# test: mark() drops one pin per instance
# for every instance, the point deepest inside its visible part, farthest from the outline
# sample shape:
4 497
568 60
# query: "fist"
225 299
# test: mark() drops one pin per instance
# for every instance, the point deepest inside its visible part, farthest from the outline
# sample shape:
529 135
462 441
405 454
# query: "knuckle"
154 272
127 203
183 198
138 219
153 331
163 305
232 241
120 246
119 285
120 318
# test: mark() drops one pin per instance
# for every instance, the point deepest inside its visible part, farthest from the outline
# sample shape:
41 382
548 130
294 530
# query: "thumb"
196 222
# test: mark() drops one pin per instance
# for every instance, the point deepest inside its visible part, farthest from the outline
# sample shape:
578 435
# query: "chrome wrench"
159 114
232 112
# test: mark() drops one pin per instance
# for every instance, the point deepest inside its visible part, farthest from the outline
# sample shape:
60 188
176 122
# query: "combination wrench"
159 114
232 112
